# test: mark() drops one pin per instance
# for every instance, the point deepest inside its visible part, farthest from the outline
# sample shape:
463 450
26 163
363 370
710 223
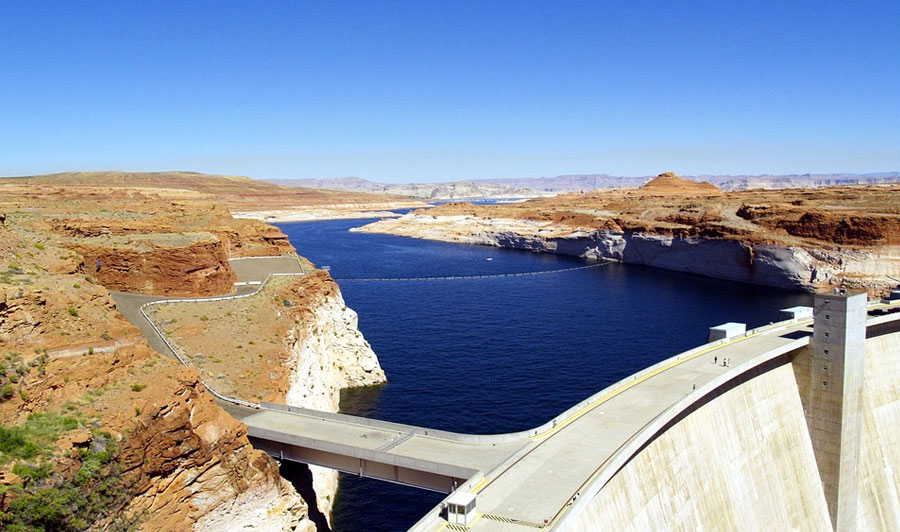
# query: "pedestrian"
716 359
98 265
695 387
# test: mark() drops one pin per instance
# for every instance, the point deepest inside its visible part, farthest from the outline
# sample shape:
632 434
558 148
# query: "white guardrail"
174 351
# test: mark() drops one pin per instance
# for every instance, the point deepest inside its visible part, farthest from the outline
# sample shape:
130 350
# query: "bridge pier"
830 378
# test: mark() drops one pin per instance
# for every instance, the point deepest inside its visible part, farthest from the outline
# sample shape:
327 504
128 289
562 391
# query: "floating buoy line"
456 277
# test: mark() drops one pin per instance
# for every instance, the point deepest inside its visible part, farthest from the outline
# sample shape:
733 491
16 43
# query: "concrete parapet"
795 313
727 331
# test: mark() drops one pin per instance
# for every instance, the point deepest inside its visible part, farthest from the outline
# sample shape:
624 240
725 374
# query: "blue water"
503 354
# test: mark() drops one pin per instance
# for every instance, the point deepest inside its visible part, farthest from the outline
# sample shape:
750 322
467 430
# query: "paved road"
393 440
248 270
531 478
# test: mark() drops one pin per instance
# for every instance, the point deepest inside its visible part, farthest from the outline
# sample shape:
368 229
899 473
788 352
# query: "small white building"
795 313
726 330
461 508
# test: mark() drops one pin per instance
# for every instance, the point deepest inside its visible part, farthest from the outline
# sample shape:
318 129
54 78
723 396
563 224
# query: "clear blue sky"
426 91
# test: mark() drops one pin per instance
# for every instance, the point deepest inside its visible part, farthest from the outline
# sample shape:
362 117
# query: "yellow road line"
587 408
477 488
625 387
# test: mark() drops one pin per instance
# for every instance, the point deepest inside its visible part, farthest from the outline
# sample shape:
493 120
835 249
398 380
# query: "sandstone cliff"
199 267
797 239
328 354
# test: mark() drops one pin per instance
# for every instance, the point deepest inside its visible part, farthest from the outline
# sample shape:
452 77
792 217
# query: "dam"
773 429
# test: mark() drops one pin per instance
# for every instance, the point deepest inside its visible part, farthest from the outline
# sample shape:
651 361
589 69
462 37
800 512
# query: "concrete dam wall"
745 459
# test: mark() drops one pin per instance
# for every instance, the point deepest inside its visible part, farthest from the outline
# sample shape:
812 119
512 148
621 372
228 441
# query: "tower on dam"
831 392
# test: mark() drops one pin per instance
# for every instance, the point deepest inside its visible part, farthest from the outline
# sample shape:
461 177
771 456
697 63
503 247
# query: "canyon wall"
783 266
192 466
328 354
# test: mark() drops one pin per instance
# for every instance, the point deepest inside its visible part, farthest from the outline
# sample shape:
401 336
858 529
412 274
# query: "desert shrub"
95 492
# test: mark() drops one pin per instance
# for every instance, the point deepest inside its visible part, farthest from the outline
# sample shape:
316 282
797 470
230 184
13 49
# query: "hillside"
98 430
239 194
669 184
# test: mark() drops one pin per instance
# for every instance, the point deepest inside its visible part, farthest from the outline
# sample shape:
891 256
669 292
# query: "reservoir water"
502 354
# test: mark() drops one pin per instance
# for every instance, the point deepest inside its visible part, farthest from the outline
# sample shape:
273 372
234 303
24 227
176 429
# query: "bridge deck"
385 443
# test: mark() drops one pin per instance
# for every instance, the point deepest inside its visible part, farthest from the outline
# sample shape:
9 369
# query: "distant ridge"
238 193
545 186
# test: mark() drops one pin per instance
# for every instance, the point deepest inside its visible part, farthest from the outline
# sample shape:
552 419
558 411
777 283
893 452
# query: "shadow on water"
362 401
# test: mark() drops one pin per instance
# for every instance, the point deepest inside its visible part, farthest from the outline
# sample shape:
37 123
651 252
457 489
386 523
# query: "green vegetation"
45 501
137 387
96 491
204 318
12 369
39 246
33 438
73 311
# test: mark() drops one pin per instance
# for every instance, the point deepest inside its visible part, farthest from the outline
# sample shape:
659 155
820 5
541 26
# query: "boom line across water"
487 276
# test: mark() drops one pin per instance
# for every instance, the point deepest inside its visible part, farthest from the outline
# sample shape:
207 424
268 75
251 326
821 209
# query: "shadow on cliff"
301 477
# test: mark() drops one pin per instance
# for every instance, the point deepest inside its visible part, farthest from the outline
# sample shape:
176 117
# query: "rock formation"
668 183
133 428
328 354
798 239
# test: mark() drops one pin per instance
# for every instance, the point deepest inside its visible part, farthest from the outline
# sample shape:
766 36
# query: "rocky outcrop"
192 467
668 183
198 268
328 354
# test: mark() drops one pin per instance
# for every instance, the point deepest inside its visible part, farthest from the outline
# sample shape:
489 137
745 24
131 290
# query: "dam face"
807 442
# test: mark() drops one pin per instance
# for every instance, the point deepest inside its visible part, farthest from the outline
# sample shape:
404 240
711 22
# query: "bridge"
547 477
